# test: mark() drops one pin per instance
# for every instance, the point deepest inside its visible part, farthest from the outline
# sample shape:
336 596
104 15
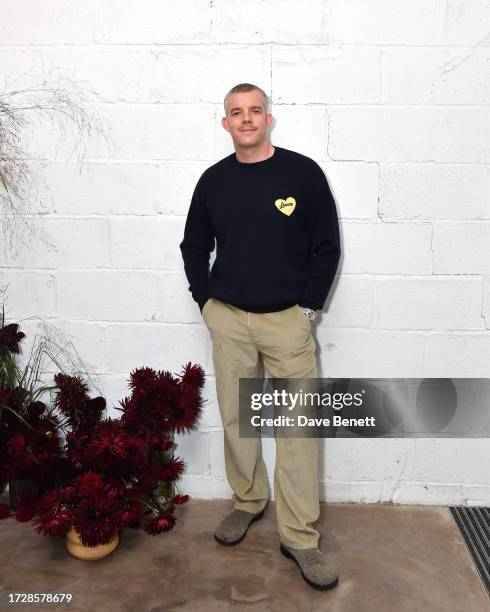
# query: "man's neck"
249 155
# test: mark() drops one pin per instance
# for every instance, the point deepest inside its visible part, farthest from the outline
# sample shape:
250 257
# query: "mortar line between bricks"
179 271
271 51
371 330
375 220
306 105
158 161
240 45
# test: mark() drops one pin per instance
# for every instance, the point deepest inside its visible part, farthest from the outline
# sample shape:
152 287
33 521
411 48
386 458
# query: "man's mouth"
248 130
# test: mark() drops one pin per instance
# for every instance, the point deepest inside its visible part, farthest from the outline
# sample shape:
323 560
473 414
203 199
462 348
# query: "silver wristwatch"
309 312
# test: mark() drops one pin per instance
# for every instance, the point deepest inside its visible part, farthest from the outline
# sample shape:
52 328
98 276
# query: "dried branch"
65 104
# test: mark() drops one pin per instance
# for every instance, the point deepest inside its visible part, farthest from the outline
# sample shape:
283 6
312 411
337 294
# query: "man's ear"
224 123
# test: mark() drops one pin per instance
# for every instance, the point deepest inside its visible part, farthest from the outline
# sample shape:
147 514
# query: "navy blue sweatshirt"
276 231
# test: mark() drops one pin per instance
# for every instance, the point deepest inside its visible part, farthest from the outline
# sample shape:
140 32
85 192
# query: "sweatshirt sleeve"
197 245
324 241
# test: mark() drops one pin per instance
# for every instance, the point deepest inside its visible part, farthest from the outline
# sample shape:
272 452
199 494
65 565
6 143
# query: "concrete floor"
404 558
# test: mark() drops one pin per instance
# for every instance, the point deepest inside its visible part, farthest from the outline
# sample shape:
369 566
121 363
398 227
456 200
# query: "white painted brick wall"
390 97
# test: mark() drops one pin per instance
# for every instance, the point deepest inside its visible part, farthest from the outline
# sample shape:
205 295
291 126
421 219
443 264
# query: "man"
274 220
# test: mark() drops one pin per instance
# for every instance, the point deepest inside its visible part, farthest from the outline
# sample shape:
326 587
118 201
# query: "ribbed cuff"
309 305
202 303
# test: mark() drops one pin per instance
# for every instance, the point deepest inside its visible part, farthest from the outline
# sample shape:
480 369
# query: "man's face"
247 120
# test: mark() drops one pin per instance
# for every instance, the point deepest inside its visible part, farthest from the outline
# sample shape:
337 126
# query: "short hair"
246 87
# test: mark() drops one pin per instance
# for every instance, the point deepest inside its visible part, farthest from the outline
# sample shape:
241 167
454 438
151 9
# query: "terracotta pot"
88 553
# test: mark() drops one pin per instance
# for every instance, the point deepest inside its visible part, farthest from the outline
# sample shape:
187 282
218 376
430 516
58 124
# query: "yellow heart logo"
286 206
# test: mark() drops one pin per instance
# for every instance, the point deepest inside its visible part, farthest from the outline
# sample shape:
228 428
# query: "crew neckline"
257 163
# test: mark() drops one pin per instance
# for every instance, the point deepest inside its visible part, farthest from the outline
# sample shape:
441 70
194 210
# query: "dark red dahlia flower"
91 484
159 524
76 442
97 520
141 378
54 518
33 454
193 376
92 412
35 410
53 526
132 515
111 449
21 455
171 470
183 417
71 395
10 338
180 499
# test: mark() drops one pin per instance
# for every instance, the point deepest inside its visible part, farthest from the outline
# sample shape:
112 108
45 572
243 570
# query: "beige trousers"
285 342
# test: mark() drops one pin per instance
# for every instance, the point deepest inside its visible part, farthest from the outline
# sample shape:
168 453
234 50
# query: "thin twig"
63 102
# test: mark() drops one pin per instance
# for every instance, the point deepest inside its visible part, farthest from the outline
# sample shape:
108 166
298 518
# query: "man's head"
247 115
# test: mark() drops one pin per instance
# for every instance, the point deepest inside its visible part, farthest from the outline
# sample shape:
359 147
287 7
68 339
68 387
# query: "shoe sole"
320 587
235 542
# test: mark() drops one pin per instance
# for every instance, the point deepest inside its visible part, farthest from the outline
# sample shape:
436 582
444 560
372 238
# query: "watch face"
309 313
